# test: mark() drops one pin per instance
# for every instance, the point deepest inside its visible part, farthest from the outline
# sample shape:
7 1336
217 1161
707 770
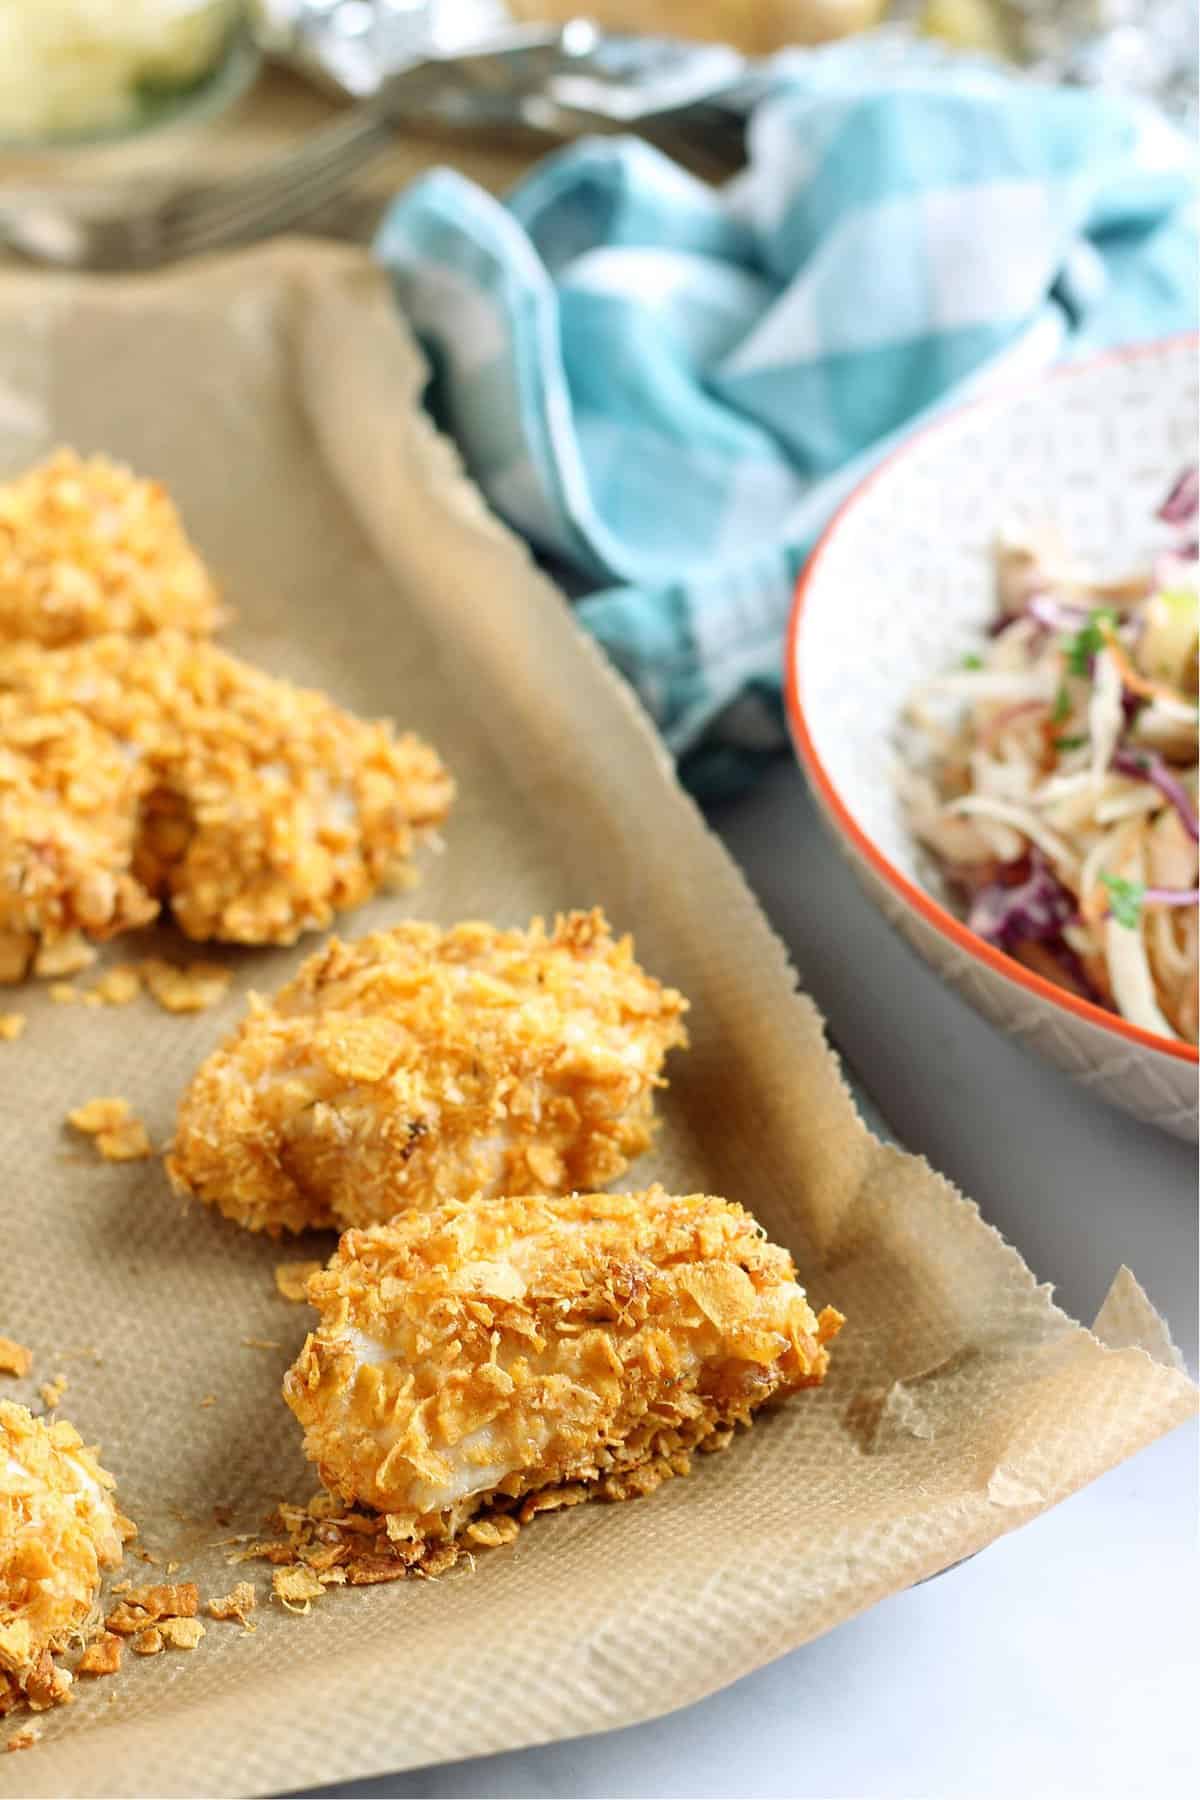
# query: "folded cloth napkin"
667 388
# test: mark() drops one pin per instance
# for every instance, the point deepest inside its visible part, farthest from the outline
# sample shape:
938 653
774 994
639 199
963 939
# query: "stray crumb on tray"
11 1026
240 1600
254 1343
182 1634
24 1738
15 1359
119 986
53 1391
103 1657
191 989
119 1135
291 1278
297 1588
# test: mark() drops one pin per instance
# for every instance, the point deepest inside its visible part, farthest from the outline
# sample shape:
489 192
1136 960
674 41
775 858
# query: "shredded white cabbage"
1063 797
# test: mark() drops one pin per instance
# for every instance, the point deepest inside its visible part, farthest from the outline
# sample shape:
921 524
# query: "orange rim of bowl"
923 903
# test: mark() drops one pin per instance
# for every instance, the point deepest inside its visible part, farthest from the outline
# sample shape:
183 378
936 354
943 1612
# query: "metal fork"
175 221
527 76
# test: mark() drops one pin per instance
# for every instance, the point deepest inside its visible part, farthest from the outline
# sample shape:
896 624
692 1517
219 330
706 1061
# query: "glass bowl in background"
78 72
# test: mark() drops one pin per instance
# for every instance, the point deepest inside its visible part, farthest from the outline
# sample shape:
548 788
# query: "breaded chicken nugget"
59 1528
494 1348
86 547
255 809
420 1065
69 798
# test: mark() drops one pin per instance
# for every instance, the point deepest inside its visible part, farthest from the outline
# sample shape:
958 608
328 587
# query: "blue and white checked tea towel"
668 389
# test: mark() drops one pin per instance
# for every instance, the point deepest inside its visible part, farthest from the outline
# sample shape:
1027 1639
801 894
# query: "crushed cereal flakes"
120 1137
291 1278
150 1610
191 989
102 1657
24 1738
15 1359
95 1116
240 1600
333 1546
47 1685
492 1532
128 1143
53 1391
119 986
167 1600
297 1588
181 1634
11 1026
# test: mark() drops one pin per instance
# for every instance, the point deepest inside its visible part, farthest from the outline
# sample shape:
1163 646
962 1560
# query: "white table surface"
1064 1660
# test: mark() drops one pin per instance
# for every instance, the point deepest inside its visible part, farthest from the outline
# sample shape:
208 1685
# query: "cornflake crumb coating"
494 1348
87 547
141 772
59 1528
419 1064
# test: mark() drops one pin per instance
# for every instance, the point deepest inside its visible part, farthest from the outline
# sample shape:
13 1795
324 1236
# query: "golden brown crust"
497 1348
86 547
421 1064
59 1528
139 771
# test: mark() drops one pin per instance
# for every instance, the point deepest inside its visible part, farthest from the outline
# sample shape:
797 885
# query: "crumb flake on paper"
15 1359
291 1278
118 1134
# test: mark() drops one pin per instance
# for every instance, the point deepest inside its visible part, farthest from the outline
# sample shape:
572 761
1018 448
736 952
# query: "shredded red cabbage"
1182 504
1036 908
1148 765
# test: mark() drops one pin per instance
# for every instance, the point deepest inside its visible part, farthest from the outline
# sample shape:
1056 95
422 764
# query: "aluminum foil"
1145 47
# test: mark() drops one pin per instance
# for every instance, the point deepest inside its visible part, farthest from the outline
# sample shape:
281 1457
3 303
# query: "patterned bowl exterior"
899 588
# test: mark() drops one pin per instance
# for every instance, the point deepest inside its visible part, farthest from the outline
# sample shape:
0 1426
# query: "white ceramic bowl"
900 586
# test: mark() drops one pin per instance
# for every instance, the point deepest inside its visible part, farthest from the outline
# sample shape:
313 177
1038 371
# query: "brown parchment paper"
278 396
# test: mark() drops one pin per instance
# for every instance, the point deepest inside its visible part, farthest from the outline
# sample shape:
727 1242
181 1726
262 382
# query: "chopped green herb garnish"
1062 704
1088 641
972 660
1069 743
1125 900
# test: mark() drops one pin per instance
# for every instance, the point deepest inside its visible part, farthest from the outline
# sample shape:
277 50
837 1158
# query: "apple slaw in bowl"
1058 795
